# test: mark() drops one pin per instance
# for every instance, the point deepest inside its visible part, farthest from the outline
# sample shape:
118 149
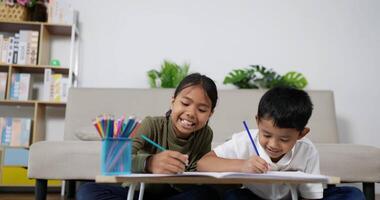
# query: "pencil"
95 123
135 129
153 143
250 137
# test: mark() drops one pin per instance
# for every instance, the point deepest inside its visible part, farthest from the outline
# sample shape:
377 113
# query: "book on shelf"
10 50
21 86
3 84
4 50
6 130
47 84
15 131
1 47
32 48
15 48
61 12
55 87
21 57
14 156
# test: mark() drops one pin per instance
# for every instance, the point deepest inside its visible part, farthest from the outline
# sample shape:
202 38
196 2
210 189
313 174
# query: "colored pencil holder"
116 156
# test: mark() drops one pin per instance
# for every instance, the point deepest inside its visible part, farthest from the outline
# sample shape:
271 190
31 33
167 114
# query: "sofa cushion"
87 133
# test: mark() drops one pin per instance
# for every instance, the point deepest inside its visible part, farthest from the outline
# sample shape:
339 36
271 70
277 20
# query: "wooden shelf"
52 104
40 68
17 103
13 26
39 111
57 29
19 147
32 103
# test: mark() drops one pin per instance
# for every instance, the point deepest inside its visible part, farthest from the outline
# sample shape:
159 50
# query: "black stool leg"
40 189
70 188
369 190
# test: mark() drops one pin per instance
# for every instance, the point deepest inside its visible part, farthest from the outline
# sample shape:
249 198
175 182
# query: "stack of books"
15 131
20 48
20 87
55 87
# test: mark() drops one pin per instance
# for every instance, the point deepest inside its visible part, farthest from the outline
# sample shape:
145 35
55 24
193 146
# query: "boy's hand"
167 162
255 164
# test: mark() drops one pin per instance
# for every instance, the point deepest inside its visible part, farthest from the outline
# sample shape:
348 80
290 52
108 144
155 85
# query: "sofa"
77 157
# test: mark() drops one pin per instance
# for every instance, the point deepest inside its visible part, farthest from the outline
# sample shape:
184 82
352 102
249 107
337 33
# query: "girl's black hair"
286 107
207 84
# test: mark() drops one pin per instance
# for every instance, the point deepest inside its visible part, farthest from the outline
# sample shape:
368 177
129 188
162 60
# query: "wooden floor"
51 196
29 196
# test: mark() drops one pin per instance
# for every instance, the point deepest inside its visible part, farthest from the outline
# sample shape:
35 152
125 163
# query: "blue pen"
153 143
250 137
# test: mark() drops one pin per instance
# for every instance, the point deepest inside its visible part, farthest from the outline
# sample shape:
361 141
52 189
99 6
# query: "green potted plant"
257 76
169 76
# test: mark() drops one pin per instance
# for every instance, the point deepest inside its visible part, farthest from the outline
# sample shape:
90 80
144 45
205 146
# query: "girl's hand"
255 164
167 162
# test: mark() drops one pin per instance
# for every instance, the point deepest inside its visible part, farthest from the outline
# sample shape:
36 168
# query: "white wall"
335 44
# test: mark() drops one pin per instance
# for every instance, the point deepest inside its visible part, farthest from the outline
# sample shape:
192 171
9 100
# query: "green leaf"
235 76
170 75
152 76
265 78
295 79
241 78
260 77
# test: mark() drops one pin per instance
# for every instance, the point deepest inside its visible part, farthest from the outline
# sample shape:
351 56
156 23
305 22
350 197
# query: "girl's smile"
191 110
187 124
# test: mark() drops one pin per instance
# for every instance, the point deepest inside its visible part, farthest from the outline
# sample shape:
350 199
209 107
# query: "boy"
281 119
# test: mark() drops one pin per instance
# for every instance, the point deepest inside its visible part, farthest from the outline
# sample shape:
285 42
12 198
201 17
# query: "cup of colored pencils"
116 134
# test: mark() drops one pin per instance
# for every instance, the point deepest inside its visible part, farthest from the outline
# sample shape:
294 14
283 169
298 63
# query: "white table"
290 178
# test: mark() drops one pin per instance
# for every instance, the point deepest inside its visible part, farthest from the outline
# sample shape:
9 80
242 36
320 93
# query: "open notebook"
278 175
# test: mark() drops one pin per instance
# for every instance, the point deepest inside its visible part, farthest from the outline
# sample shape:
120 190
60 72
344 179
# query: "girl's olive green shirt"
160 130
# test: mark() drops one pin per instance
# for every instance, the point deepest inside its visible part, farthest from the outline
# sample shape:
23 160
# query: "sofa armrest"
64 160
350 162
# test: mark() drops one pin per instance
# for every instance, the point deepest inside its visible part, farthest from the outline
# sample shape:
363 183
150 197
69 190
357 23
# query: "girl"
183 132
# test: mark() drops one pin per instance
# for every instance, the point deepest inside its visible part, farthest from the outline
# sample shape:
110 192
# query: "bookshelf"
47 85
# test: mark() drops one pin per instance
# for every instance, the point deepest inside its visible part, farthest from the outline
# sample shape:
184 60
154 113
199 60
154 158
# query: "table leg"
293 191
141 193
131 191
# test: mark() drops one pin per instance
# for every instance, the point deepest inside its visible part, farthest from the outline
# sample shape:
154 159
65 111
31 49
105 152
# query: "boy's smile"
191 110
277 141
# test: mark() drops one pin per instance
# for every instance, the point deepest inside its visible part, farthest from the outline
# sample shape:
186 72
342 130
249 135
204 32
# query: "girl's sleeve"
139 155
205 147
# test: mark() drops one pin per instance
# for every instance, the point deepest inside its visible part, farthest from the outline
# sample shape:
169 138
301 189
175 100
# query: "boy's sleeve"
238 147
227 149
139 156
312 190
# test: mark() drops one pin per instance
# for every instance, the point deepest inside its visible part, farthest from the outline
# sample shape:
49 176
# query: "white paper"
272 175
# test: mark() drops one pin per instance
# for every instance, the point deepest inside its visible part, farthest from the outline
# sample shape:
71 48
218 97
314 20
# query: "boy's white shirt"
303 157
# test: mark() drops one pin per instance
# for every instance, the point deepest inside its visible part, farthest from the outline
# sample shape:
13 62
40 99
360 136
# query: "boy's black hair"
287 107
207 84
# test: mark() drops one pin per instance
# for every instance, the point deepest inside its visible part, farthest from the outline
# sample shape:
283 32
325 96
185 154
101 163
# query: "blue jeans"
95 191
346 193
331 193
